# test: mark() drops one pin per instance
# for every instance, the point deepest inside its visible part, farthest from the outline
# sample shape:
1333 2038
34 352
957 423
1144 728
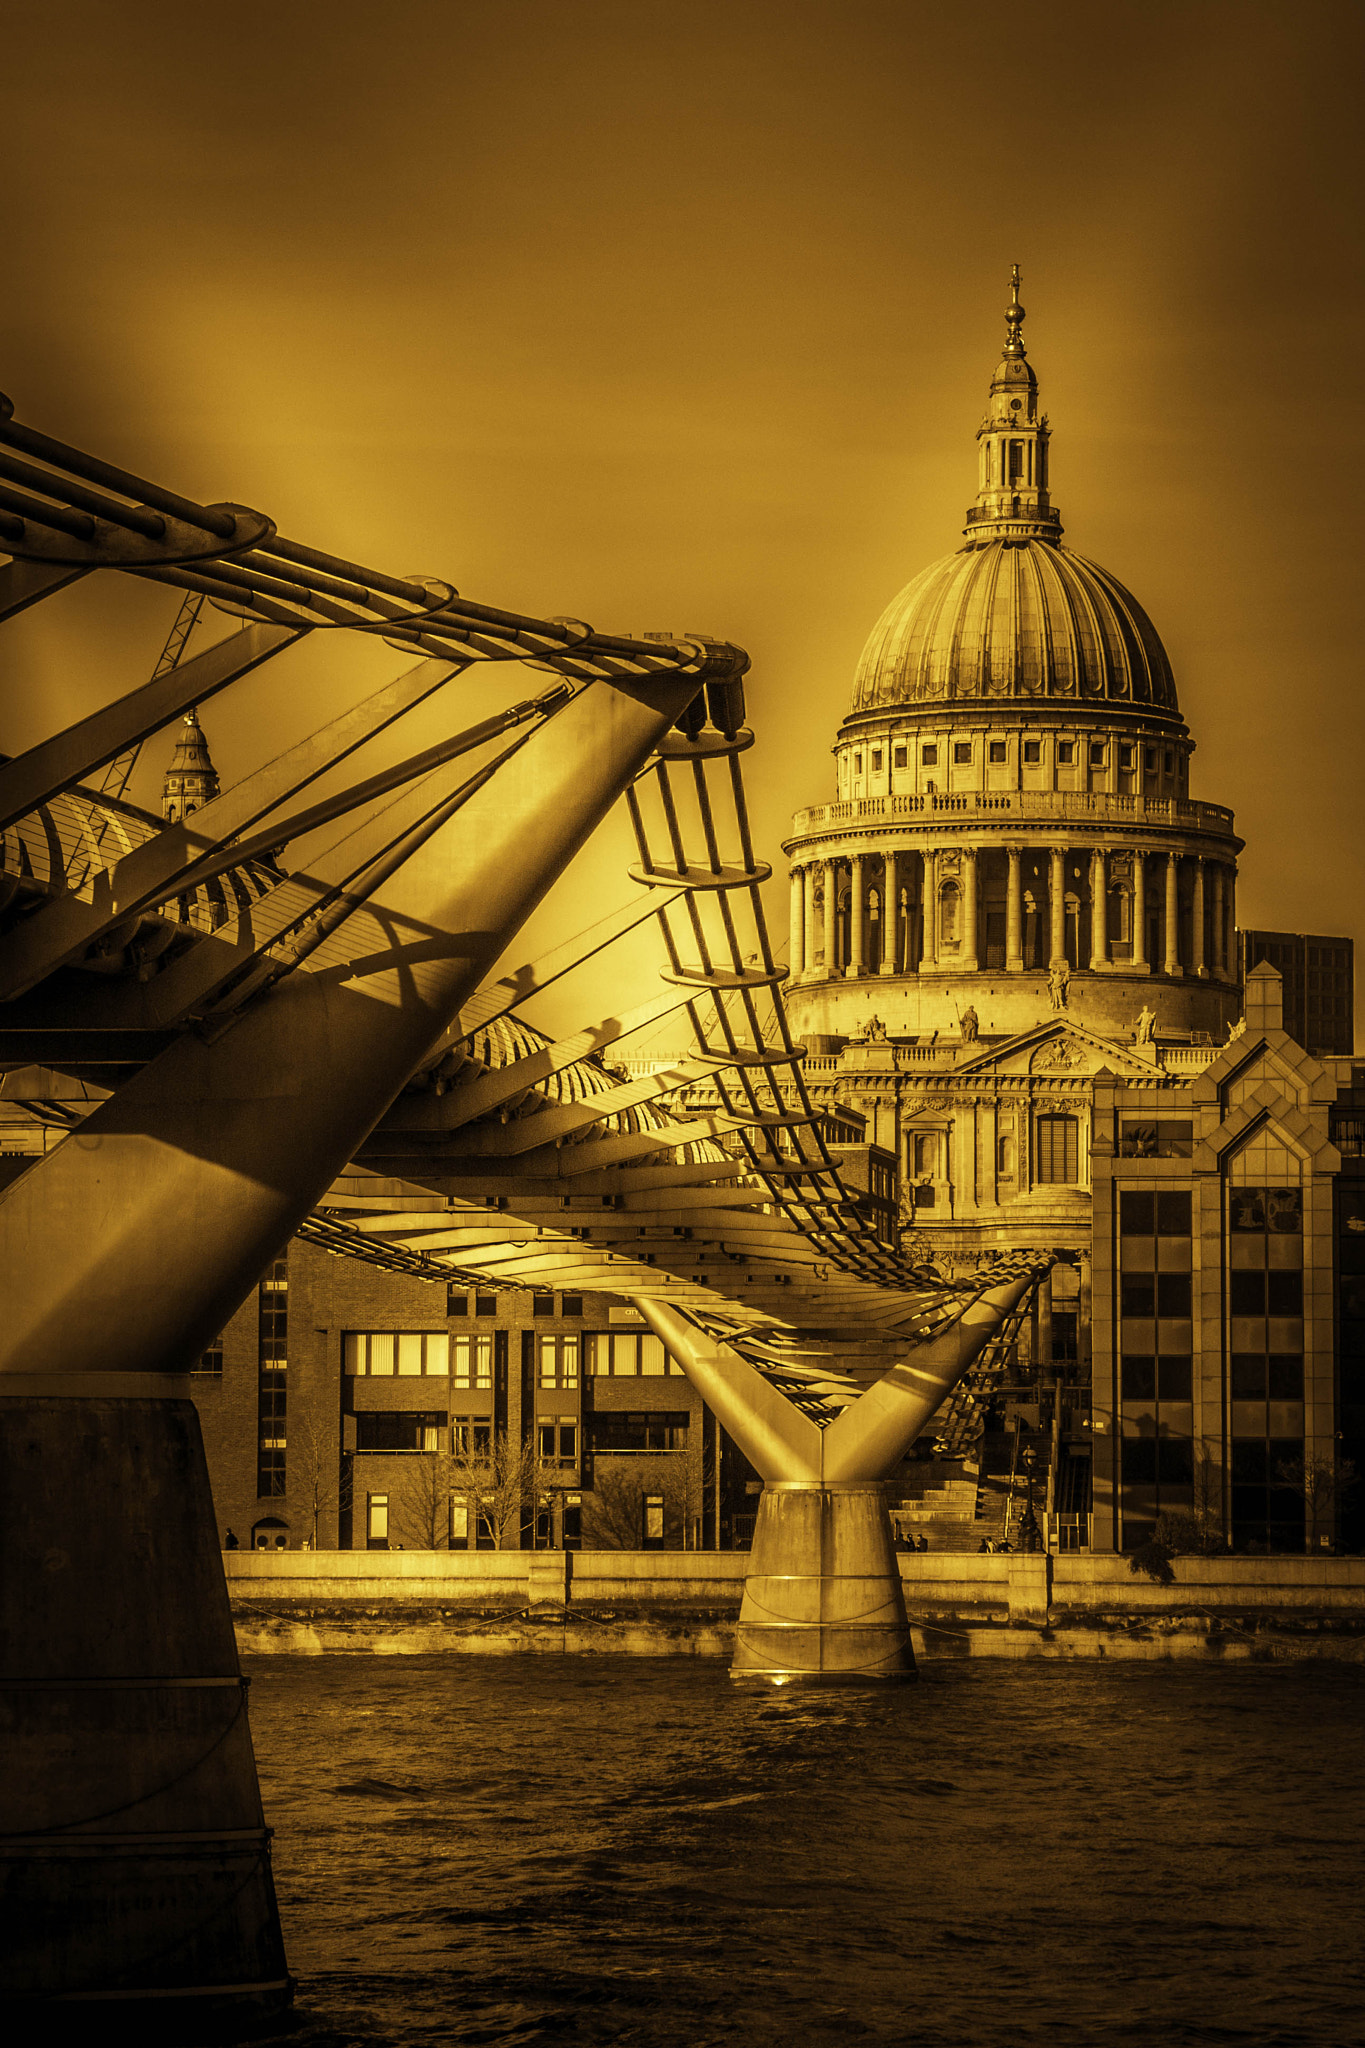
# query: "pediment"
1061 1048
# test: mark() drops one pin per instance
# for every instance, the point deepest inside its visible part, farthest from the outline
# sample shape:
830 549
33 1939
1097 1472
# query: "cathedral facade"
1014 951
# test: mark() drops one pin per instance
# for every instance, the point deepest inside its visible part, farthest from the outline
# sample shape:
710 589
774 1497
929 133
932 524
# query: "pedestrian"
230 1542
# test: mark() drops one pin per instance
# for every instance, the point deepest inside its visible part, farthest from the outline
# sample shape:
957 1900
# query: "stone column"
856 917
1139 910
1230 912
812 946
1099 911
1197 919
1014 913
796 951
1172 933
967 958
891 914
1056 904
1220 929
929 910
831 920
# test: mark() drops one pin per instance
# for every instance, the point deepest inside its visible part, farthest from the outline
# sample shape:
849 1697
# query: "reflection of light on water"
636 1848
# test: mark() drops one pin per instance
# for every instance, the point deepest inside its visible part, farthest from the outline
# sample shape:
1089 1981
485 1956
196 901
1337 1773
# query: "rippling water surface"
544 1849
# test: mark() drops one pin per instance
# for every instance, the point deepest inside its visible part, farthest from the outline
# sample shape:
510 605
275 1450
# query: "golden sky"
680 316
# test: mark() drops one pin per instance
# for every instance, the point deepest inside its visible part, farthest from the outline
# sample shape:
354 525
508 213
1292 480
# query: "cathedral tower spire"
1012 442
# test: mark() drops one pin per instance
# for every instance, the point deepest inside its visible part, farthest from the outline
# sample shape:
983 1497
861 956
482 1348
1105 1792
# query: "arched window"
1058 1150
949 905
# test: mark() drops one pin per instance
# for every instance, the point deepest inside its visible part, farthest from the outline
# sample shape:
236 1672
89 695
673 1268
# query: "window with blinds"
408 1354
1058 1149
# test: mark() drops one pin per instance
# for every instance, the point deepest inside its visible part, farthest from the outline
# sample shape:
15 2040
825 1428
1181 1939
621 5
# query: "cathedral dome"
1018 617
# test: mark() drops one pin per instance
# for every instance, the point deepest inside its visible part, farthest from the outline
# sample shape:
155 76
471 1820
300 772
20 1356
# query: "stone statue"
1058 981
1146 1019
969 1026
1236 1030
875 1032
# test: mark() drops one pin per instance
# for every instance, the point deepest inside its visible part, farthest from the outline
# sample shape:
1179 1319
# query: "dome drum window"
1033 752
929 756
899 757
999 752
962 752
1066 751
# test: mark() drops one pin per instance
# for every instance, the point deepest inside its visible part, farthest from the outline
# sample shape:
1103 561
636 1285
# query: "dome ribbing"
1018 618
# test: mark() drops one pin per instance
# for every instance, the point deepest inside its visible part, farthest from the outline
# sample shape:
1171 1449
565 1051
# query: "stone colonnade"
1169 912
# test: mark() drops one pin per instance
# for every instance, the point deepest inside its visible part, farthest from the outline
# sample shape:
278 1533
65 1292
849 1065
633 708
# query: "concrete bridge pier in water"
822 1596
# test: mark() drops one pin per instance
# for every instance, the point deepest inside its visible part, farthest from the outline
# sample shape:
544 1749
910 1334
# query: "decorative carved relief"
1058 1053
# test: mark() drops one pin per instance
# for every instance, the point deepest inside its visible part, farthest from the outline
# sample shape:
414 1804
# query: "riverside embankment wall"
661 1603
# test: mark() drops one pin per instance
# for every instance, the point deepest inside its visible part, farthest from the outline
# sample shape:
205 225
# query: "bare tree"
319 1478
1322 1484
614 1511
501 1484
420 1517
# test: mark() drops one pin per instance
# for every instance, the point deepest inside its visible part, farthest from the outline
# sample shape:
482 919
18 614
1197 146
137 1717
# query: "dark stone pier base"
133 1851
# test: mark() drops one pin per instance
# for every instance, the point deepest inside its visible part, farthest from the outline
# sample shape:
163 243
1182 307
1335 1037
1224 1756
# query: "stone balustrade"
996 805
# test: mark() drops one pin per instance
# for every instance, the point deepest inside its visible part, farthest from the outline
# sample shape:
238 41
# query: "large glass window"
1265 1322
664 1430
471 1362
557 1439
409 1354
1156 1137
471 1438
626 1354
394 1429
557 1361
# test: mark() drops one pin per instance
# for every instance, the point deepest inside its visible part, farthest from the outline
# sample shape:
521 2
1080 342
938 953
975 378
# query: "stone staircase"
937 1498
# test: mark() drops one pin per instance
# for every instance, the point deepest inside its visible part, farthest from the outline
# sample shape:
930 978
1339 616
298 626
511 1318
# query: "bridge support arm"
869 1440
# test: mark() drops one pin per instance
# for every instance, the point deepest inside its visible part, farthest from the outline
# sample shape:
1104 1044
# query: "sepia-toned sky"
680 316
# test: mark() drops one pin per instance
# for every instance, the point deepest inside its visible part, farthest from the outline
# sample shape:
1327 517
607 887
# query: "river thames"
546 1849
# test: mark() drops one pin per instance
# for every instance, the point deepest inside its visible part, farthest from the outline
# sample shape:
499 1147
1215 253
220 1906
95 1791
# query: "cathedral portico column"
831 919
1230 926
1056 903
1220 930
855 915
1014 913
1139 910
968 959
796 950
891 913
1099 911
929 909
1172 933
1197 961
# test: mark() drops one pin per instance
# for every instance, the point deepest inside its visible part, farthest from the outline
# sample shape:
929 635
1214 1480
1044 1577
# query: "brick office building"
345 1406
